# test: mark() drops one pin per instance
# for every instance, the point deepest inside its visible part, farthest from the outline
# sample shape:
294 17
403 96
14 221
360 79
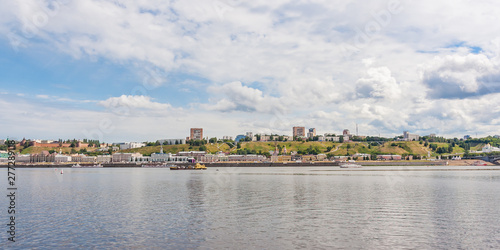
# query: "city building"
125 157
410 137
329 138
488 149
82 158
62 158
251 158
172 141
215 157
299 132
312 133
389 157
23 158
196 134
104 159
43 156
226 137
129 145
239 137
193 154
251 136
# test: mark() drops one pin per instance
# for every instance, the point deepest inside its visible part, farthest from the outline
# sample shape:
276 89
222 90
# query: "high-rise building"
299 132
312 133
196 134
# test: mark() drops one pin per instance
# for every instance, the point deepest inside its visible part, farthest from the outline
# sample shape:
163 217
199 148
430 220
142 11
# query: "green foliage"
196 142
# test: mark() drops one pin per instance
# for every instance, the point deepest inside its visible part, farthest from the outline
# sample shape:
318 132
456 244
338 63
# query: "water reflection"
264 208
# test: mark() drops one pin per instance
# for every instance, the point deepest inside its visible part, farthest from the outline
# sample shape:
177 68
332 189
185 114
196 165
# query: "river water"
255 208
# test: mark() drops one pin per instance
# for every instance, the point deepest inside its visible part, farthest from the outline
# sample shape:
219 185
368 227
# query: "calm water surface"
255 208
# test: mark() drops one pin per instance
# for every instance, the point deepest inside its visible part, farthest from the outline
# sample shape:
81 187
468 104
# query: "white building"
23 158
161 157
104 158
172 141
126 157
214 157
128 145
488 149
62 158
410 137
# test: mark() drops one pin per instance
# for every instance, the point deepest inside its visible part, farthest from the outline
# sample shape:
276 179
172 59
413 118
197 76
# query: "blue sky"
121 71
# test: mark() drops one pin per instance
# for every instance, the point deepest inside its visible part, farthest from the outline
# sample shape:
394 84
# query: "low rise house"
389 157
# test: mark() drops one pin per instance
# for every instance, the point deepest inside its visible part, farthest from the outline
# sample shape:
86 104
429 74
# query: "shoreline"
275 164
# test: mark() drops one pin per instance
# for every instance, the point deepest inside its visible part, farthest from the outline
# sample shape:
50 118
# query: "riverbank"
274 164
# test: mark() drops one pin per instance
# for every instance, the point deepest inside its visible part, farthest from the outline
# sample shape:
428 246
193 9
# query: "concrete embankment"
260 164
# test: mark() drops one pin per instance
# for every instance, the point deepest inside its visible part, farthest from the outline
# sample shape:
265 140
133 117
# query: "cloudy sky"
152 69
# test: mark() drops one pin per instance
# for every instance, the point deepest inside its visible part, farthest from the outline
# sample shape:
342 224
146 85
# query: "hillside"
312 147
337 149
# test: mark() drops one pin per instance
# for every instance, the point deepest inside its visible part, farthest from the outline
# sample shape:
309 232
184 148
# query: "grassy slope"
337 148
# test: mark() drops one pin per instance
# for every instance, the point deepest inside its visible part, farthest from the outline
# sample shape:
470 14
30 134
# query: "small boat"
62 171
350 164
76 166
198 166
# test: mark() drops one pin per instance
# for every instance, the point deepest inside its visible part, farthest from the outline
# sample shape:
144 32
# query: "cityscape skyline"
132 71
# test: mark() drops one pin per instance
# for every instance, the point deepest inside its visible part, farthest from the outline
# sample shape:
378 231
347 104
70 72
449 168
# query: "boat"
86 166
350 164
197 166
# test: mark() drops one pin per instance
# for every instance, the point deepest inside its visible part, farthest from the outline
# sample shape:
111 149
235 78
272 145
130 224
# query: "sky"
147 70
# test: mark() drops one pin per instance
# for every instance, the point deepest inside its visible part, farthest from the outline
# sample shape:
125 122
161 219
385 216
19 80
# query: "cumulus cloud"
457 76
262 58
140 102
234 96
378 84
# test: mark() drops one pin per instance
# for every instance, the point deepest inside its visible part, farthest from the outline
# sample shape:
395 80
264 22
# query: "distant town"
304 145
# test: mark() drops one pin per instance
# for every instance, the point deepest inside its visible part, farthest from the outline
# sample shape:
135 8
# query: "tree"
341 139
213 140
257 137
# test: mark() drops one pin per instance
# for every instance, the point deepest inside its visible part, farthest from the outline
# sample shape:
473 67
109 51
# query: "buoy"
61 171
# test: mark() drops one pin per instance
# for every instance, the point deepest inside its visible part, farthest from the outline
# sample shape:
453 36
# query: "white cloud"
128 101
268 59
456 76
378 84
236 97
43 96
